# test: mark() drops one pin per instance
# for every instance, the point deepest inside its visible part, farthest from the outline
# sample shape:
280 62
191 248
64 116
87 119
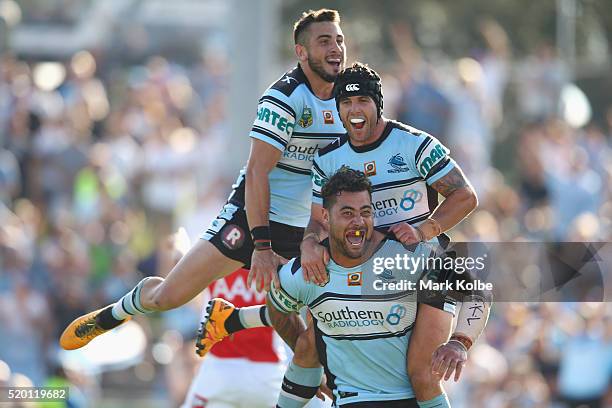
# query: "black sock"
233 324
106 320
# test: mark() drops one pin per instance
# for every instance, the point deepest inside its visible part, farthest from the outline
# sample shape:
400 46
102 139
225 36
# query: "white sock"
130 305
254 316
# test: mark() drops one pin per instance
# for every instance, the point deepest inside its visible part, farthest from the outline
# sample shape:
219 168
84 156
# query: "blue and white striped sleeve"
432 158
276 116
318 179
289 296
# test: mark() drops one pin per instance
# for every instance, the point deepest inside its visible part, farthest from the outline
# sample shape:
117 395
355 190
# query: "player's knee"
159 298
305 350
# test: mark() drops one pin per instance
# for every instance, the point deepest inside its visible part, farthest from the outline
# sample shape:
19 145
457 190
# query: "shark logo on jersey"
398 163
387 275
306 119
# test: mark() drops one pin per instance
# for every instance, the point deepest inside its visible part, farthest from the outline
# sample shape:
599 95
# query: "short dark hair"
313 16
369 84
345 179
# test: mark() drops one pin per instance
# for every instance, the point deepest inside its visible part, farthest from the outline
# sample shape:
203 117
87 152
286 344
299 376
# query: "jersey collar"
301 76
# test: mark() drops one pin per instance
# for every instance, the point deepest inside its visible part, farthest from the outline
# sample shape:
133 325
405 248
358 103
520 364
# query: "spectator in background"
586 362
421 103
10 177
470 137
540 80
494 60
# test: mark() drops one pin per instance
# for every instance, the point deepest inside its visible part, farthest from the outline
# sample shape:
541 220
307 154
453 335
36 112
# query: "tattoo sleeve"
454 180
288 325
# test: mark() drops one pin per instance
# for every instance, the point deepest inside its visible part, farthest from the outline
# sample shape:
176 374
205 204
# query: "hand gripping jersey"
401 165
291 118
362 334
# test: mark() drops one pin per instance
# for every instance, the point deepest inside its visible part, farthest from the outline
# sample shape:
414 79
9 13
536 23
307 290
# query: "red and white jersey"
256 344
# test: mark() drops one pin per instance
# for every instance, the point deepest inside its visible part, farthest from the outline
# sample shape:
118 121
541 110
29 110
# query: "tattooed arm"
459 201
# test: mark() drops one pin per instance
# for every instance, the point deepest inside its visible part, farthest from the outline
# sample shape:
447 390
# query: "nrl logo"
306 119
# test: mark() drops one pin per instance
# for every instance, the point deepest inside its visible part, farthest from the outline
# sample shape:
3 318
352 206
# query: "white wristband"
473 317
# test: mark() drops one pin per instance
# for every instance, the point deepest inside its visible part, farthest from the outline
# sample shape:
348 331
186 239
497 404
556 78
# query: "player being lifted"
362 335
264 218
408 169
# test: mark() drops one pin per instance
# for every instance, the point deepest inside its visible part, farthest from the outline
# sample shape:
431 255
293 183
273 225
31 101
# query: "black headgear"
359 79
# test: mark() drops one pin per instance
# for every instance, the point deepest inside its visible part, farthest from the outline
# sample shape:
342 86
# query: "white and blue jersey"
362 334
294 120
402 164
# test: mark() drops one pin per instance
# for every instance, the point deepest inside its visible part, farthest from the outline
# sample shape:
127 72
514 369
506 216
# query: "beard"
341 245
317 67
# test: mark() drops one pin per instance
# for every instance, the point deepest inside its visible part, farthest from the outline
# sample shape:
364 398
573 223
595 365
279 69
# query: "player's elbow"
467 198
471 199
253 169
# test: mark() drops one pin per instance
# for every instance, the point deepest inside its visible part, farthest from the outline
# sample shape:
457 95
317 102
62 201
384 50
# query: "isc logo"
370 168
354 279
352 87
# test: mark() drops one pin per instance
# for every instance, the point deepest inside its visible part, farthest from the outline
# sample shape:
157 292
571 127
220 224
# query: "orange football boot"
212 328
83 330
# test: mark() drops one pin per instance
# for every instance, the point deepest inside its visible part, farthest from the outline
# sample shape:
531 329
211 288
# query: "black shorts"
406 403
231 235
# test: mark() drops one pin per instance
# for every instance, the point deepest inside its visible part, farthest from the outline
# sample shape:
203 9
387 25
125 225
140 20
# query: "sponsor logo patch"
270 116
354 279
328 117
435 155
396 313
369 168
232 236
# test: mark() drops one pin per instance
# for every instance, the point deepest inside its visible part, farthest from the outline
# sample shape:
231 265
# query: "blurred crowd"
99 167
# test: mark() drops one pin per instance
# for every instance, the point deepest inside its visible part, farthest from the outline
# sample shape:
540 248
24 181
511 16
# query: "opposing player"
255 357
264 218
408 169
362 334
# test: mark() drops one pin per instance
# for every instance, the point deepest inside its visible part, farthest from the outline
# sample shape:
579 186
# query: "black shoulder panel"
342 139
289 81
406 128
297 264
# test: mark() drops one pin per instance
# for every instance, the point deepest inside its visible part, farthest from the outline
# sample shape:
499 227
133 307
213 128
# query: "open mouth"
334 62
355 237
357 123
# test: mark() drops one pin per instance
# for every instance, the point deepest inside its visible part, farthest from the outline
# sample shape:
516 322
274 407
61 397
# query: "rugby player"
263 221
362 336
257 357
408 169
